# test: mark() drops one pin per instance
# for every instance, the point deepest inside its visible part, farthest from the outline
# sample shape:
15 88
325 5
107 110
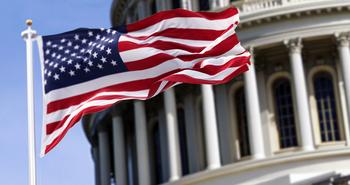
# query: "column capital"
294 45
343 39
251 51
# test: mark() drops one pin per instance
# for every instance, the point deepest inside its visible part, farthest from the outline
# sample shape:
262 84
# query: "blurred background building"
286 121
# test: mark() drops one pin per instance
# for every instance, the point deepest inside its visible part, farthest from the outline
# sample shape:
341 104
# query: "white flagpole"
29 35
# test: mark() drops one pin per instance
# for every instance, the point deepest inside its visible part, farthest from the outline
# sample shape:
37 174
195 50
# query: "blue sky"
70 162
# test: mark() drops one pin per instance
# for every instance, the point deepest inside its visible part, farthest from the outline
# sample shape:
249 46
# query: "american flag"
88 70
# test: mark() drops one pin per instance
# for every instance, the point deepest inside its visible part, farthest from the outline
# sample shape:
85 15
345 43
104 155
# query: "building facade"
285 121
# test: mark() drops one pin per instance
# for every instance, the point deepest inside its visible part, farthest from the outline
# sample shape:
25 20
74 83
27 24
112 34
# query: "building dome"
284 122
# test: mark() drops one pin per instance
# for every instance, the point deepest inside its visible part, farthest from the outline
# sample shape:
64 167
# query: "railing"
247 6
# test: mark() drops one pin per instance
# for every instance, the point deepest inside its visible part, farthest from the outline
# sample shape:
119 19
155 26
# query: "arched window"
284 113
326 107
242 124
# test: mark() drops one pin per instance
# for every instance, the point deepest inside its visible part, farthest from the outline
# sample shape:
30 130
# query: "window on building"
153 6
183 140
158 150
131 153
157 155
326 107
200 136
175 4
204 5
284 113
242 124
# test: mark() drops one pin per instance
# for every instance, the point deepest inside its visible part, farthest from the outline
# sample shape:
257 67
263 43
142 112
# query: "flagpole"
29 36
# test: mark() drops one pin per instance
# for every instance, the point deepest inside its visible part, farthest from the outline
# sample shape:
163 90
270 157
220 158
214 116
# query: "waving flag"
88 70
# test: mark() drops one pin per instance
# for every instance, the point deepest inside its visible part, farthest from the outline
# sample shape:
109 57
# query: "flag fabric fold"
88 70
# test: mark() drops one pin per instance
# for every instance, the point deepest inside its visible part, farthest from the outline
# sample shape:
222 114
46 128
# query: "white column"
186 4
210 127
224 3
216 4
120 168
299 82
344 57
344 112
256 139
142 143
173 135
160 5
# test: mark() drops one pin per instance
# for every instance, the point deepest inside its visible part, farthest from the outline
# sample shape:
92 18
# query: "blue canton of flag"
80 55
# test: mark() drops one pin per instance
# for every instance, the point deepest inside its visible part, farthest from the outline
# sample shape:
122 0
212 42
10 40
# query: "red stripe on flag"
214 69
188 79
148 62
76 118
159 44
135 85
51 127
180 13
186 33
221 48
157 59
74 100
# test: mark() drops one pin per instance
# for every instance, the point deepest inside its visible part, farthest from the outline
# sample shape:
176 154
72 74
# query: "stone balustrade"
248 6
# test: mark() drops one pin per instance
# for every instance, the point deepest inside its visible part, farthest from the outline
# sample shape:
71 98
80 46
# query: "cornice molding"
324 30
295 10
238 168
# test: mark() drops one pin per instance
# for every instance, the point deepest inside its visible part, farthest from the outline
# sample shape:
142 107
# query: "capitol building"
284 122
